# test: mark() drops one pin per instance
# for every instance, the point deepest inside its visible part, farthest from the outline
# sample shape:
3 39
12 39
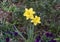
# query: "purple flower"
15 33
37 39
7 39
52 40
48 34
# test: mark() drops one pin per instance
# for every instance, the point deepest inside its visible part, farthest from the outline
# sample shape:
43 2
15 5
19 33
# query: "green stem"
20 33
30 33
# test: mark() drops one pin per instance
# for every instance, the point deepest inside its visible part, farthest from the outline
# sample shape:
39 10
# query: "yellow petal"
32 21
26 9
35 24
31 9
27 18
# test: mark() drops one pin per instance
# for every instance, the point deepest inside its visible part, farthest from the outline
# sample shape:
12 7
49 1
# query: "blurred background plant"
11 12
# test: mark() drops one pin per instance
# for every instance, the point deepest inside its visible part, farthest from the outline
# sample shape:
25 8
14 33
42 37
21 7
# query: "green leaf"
57 39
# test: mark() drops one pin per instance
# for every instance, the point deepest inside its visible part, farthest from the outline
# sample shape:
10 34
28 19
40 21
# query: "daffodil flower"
36 20
29 13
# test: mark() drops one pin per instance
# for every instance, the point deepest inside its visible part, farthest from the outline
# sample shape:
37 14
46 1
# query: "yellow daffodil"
36 20
29 13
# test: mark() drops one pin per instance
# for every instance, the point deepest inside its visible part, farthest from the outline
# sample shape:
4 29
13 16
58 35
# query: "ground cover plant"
29 20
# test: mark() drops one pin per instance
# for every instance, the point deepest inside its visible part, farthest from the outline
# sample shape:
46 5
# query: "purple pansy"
49 34
7 39
37 39
15 33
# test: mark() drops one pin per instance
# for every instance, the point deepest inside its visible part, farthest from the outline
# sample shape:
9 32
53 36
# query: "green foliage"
48 10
